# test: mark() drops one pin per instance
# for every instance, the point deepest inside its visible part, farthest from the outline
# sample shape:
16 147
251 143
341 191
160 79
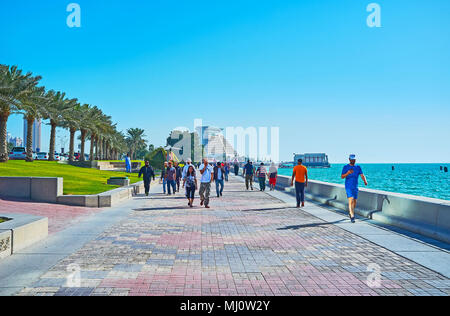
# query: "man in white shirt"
207 173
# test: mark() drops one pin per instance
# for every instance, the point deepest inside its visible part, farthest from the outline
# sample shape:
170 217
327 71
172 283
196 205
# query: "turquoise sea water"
416 179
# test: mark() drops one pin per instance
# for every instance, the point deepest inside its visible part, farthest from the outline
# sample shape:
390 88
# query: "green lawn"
76 180
2 220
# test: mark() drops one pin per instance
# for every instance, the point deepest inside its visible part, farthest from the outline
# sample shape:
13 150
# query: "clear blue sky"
313 68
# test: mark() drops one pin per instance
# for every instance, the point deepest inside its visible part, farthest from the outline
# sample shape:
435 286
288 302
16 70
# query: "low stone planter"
20 232
123 182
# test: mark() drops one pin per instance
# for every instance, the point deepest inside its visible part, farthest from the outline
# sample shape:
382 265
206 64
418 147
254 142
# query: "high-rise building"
37 127
15 141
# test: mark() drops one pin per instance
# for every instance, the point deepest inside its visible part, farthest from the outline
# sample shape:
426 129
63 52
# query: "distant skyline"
312 68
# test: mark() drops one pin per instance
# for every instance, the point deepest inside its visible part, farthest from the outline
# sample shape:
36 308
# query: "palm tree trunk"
4 155
99 148
108 155
30 122
72 145
105 149
96 147
51 154
83 139
91 150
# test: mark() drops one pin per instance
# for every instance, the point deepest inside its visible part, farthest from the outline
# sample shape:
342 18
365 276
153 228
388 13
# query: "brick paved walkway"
248 243
59 217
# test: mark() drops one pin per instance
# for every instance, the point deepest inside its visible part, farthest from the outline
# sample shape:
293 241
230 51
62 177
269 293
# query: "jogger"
351 173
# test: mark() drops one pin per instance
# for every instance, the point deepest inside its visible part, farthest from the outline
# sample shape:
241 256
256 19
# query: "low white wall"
426 216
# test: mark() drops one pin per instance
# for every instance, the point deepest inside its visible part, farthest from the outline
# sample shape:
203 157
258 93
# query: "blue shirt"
248 168
206 176
351 182
219 174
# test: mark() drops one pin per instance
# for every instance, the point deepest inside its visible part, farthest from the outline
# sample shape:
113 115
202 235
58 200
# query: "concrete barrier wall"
35 189
426 216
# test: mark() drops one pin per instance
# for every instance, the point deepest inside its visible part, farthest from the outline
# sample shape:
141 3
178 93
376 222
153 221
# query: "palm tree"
135 140
13 84
85 122
55 110
91 125
72 119
32 104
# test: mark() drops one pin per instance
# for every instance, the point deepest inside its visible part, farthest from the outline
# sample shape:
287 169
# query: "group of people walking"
173 177
261 174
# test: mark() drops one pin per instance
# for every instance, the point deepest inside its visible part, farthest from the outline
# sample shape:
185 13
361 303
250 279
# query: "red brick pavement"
59 216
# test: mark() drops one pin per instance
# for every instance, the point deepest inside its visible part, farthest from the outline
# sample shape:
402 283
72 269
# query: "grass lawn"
76 180
2 220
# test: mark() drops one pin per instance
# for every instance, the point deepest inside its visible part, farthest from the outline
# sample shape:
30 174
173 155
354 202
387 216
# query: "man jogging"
300 174
207 173
351 173
148 173
249 171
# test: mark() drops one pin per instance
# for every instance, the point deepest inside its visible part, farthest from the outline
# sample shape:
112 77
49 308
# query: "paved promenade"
248 243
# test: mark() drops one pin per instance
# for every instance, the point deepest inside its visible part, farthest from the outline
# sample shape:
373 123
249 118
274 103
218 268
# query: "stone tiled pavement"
59 216
248 243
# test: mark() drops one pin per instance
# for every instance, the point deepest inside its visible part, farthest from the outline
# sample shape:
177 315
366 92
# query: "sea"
416 179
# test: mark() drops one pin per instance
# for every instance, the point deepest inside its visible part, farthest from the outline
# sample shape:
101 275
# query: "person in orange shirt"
300 174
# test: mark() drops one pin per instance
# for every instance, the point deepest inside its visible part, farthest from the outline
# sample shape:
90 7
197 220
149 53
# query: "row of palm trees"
20 94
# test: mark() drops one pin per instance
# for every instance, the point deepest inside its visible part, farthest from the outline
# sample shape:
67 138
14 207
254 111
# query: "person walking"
351 174
163 177
219 176
300 175
190 182
248 174
171 177
179 175
207 173
128 164
227 171
262 175
186 167
148 173
236 169
273 175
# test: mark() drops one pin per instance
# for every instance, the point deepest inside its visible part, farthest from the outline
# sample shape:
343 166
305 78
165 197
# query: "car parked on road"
42 156
18 153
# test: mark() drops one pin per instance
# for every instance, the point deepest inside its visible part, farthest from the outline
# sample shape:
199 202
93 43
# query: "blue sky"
313 68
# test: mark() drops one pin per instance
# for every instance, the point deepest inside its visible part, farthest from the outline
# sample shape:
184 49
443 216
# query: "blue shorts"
352 193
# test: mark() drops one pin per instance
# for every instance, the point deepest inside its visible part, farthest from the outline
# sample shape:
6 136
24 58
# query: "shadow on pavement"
295 227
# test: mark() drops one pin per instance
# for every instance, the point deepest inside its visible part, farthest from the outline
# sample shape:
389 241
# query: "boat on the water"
313 160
